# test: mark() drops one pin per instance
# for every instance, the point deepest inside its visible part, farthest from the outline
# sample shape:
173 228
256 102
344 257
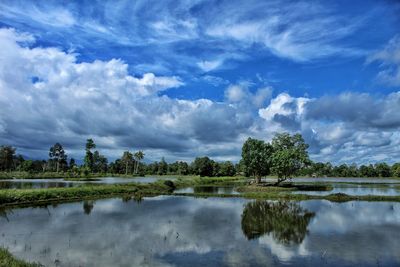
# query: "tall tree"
162 167
138 157
256 158
226 169
89 155
289 155
100 162
57 155
72 163
383 170
203 166
396 170
6 157
183 168
126 159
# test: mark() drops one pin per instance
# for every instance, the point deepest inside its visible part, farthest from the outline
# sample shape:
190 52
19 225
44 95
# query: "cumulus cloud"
284 111
50 97
240 93
350 127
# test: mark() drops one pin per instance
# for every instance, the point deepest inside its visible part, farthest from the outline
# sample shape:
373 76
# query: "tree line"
285 156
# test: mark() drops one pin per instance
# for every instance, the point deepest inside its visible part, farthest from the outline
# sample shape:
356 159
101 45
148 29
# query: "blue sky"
188 78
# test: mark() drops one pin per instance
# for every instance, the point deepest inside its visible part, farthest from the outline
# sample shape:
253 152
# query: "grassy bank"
185 181
285 192
295 197
8 260
36 196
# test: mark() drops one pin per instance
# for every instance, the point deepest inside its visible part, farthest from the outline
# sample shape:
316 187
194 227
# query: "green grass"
268 189
37 196
185 181
8 260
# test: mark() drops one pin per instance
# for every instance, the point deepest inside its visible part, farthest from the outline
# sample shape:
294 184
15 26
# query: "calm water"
119 180
341 180
33 183
356 190
184 231
209 189
49 183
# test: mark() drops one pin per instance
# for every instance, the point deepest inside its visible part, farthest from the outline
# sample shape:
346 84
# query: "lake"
186 231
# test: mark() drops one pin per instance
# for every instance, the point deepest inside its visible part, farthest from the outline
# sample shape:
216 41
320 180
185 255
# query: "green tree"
27 166
18 161
226 169
6 158
367 171
162 167
256 158
203 166
100 163
183 168
289 155
57 155
72 163
127 159
89 155
383 170
138 157
396 170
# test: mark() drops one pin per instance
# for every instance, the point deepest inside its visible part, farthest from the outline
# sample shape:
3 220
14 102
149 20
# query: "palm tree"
127 159
138 157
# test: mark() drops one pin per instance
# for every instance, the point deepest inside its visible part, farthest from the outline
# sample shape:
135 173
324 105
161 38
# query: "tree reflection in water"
88 206
286 221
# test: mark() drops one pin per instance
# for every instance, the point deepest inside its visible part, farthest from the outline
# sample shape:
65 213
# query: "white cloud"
284 105
173 30
389 56
209 65
50 97
47 96
284 30
236 93
346 128
261 96
55 17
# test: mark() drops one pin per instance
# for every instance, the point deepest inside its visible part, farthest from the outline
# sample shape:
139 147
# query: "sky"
180 79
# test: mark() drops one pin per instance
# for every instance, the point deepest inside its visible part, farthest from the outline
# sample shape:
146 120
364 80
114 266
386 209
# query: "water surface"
59 182
356 190
209 189
340 180
185 231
